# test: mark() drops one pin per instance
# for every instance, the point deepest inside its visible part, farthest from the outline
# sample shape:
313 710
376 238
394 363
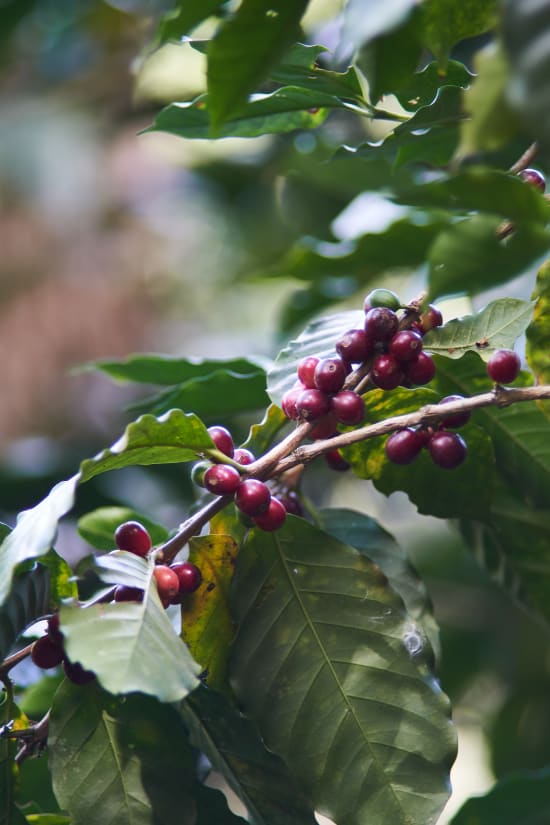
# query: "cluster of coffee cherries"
48 652
252 497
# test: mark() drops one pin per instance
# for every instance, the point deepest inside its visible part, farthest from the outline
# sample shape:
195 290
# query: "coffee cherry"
348 407
386 372
325 427
222 479
306 371
223 440
133 537
292 503
447 450
167 581
123 593
198 471
382 298
244 456
53 631
534 178
354 346
406 345
273 518
430 319
403 446
381 324
336 461
46 654
189 576
454 422
330 374
252 497
76 673
421 370
288 402
312 404
503 366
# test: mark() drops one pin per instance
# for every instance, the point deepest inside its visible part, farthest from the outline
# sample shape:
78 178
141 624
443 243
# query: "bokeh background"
113 242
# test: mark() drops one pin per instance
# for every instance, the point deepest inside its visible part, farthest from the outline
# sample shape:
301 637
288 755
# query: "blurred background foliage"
115 243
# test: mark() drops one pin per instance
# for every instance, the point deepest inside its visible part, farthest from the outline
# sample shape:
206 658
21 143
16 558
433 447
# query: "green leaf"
469 257
233 746
9 812
466 491
98 527
151 368
28 601
186 17
62 583
423 86
446 22
137 640
299 68
366 535
497 326
325 661
245 48
491 123
444 110
110 761
172 438
262 435
366 19
390 59
538 332
520 799
48 819
283 110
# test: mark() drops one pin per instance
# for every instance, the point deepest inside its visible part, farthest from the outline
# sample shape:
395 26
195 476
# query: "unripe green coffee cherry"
198 471
382 298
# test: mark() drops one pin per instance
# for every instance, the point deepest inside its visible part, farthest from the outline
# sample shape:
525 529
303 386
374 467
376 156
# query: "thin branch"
33 739
13 660
525 160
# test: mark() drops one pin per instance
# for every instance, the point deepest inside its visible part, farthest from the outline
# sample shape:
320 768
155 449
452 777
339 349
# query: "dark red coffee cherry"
448 450
354 346
198 471
222 479
348 407
306 371
336 461
382 298
189 576
244 456
123 593
133 537
454 422
503 366
252 497
292 503
534 178
421 370
312 404
288 402
76 674
53 630
386 372
406 345
223 440
273 518
325 427
430 319
167 581
403 446
330 374
381 324
46 654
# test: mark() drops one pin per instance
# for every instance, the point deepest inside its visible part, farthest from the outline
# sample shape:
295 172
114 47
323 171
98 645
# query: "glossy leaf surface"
150 368
28 601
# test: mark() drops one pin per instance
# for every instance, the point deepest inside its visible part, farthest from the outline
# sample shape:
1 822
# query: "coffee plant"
287 646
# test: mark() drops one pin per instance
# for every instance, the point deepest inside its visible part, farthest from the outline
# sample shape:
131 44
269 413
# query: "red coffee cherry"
330 374
386 372
273 518
306 371
252 497
454 422
348 407
123 593
133 537
292 503
222 479
354 346
46 654
503 366
403 446
448 450
312 404
189 576
336 461
430 319
534 178
325 427
288 402
406 345
421 370
223 440
381 324
167 581
244 456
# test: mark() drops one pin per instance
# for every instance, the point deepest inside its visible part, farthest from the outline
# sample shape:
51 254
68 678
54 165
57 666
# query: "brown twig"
13 660
525 160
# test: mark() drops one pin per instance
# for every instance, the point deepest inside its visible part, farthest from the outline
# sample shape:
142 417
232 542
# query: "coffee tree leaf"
110 763
444 110
243 51
367 536
207 626
468 255
185 17
98 526
149 368
233 746
520 433
283 110
446 23
62 582
299 68
538 331
28 601
325 660
9 811
520 799
497 326
262 435
137 640
422 87
435 491
390 59
47 819
363 20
